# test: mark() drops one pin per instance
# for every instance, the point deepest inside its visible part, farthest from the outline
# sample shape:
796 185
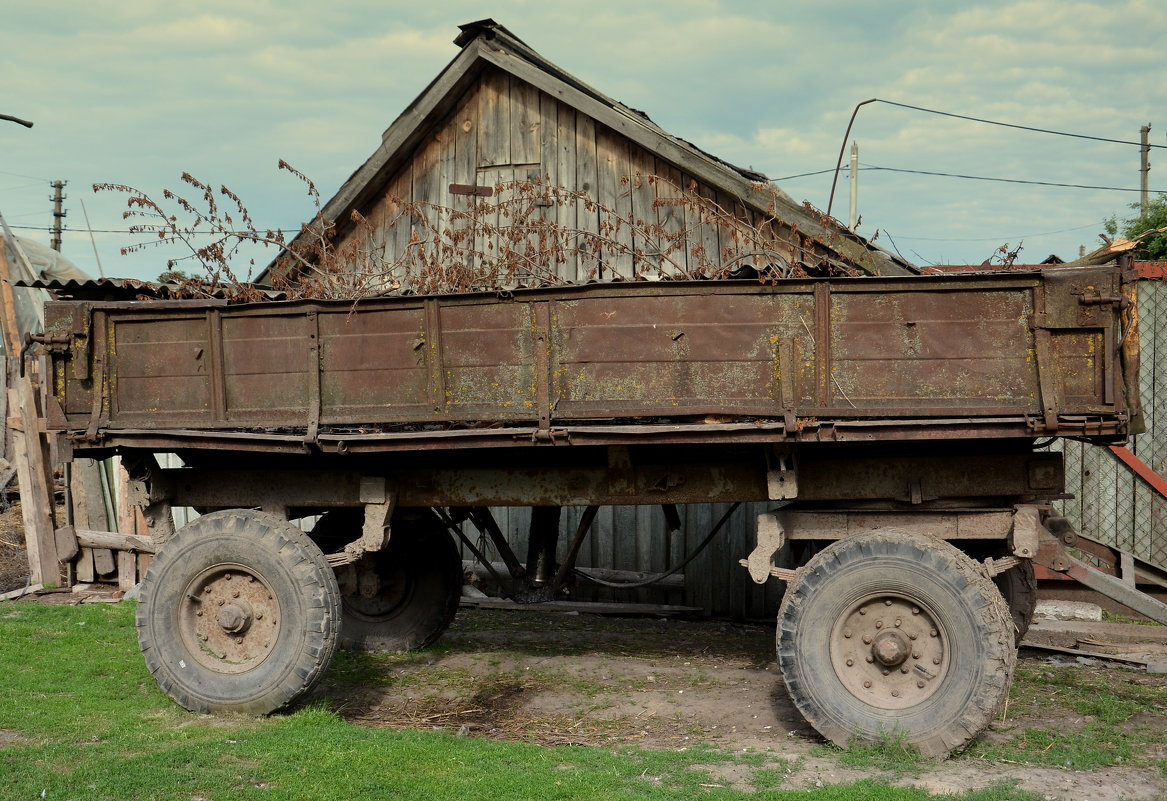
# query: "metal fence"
1111 504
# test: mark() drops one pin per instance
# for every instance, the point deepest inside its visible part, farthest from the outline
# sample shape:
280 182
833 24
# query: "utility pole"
854 217
58 214
1144 169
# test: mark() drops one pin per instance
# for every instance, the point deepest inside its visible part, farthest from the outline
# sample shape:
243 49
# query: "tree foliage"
1152 227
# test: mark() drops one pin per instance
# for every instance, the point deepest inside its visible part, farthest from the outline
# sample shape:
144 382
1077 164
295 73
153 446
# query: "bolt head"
899 622
850 662
867 684
879 624
935 660
915 610
862 610
895 693
920 684
887 602
847 633
867 639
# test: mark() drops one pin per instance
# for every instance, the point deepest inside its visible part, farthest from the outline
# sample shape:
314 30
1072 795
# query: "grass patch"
1097 720
81 717
890 753
1118 617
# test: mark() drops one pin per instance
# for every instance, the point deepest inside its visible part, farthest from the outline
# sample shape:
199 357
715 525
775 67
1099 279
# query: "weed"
889 752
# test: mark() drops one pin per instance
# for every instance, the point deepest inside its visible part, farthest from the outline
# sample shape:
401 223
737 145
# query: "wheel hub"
229 618
889 651
234 618
890 648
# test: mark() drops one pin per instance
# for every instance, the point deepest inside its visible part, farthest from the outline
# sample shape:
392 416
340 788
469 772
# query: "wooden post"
28 444
36 497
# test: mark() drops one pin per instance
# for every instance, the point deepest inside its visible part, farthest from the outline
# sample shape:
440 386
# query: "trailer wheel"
891 634
238 612
1018 585
403 597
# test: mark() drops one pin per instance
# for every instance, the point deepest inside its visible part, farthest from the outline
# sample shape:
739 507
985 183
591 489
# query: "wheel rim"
229 618
890 651
381 590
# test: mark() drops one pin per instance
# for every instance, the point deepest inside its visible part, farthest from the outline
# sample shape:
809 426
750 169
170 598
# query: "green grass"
81 718
1101 719
890 754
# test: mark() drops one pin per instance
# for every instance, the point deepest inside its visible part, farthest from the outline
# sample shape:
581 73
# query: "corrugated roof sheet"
118 289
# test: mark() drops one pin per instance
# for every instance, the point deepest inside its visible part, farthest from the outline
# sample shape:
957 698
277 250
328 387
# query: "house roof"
485 44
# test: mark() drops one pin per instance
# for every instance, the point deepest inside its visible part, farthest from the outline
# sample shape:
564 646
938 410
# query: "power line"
1003 238
1013 125
22 175
125 231
1006 180
974 178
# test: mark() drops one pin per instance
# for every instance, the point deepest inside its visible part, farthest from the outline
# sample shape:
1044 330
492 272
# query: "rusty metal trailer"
894 423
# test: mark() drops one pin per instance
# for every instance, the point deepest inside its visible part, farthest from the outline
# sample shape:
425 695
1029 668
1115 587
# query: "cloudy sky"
136 92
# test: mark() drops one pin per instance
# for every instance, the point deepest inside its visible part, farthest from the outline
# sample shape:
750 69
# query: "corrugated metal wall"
1112 504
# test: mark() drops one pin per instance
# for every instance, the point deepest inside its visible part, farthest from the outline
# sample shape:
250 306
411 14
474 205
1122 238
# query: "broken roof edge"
486 42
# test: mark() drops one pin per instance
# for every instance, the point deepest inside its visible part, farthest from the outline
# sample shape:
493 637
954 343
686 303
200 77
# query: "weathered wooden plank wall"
504 129
636 538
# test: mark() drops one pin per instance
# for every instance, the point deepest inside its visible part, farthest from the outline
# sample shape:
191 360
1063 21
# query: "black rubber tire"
840 598
265 661
1018 585
419 576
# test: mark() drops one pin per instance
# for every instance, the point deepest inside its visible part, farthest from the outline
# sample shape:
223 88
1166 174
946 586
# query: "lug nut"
867 684
862 610
879 624
899 622
870 659
933 633
915 610
847 633
904 669
895 693
867 639
912 635
850 662
920 684
935 660
887 602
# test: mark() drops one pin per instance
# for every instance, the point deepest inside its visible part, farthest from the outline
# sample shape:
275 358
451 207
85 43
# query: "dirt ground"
561 679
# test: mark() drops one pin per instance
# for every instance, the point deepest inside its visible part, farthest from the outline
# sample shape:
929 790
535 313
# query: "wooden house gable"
502 141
